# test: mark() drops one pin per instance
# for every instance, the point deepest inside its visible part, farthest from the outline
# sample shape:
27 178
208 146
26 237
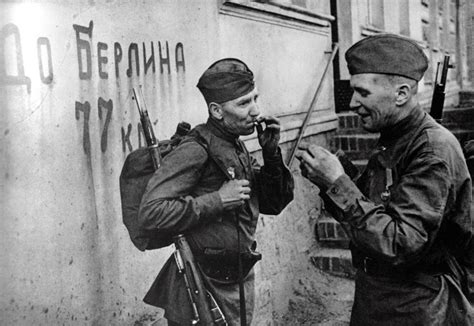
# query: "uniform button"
335 190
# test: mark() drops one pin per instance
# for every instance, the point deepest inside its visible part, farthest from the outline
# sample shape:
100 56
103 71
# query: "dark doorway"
342 89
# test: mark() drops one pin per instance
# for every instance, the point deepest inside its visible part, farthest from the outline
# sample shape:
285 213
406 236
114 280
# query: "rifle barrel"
444 75
147 128
437 101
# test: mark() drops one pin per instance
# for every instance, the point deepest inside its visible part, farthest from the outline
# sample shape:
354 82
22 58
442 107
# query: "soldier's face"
239 115
374 101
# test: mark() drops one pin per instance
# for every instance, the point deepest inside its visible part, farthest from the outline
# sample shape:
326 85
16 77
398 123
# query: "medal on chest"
231 172
385 195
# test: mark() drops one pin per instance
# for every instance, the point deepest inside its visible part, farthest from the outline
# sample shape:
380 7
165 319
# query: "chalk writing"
83 45
151 60
164 60
102 59
19 78
179 55
108 106
133 48
85 108
43 42
136 59
118 57
84 56
126 138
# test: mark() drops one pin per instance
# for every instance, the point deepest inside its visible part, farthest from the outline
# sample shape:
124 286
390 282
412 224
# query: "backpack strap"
201 135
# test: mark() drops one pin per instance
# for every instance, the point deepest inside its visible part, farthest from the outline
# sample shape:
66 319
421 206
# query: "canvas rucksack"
136 172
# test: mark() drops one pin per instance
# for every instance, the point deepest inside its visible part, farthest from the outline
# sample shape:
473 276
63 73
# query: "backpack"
136 172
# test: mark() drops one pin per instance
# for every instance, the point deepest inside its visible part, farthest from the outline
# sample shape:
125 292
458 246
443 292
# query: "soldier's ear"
403 94
215 110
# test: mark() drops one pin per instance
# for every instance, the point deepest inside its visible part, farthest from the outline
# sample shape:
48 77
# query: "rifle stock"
205 308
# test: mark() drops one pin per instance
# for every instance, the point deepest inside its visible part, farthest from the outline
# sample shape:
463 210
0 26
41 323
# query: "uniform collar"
393 141
402 129
220 131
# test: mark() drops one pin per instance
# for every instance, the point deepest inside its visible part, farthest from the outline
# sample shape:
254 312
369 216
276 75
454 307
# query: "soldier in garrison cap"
408 213
208 182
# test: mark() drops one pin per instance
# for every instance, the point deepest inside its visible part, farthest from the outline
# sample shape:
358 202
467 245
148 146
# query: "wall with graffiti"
68 120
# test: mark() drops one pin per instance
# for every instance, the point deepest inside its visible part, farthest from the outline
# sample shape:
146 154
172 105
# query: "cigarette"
259 121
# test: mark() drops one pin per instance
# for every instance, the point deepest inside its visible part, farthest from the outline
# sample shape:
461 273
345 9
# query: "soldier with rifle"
408 214
208 193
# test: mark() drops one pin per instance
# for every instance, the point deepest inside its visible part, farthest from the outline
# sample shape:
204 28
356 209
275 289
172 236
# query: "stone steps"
330 233
356 146
336 262
458 116
466 99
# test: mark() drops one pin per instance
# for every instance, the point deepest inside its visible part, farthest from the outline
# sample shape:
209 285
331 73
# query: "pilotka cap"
387 54
226 80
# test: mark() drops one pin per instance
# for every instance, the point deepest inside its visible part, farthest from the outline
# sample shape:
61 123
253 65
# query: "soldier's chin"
369 127
248 131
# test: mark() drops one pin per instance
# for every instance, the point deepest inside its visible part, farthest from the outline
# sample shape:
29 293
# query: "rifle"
437 101
151 141
203 305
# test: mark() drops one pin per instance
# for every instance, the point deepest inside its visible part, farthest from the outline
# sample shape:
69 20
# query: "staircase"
334 257
460 119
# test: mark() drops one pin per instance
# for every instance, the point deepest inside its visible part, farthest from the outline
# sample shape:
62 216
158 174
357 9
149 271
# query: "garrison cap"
387 54
226 80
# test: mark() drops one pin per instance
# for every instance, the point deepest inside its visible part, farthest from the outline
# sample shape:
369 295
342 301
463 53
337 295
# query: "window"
309 5
298 14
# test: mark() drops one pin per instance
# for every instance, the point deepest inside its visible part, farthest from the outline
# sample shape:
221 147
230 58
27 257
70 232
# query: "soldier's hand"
233 193
269 137
319 165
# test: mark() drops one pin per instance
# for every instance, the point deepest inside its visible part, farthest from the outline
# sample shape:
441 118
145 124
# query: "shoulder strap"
195 136
203 136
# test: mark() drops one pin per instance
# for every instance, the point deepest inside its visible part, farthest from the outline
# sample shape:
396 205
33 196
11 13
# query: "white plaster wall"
66 257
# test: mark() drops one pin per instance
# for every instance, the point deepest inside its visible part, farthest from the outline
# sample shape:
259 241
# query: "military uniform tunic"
407 216
182 197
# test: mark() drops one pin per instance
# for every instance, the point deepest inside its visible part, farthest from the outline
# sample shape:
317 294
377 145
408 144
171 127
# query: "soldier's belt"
426 275
222 264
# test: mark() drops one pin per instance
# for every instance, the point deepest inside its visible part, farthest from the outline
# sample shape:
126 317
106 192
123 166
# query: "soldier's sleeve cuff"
344 193
273 163
210 206
272 157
